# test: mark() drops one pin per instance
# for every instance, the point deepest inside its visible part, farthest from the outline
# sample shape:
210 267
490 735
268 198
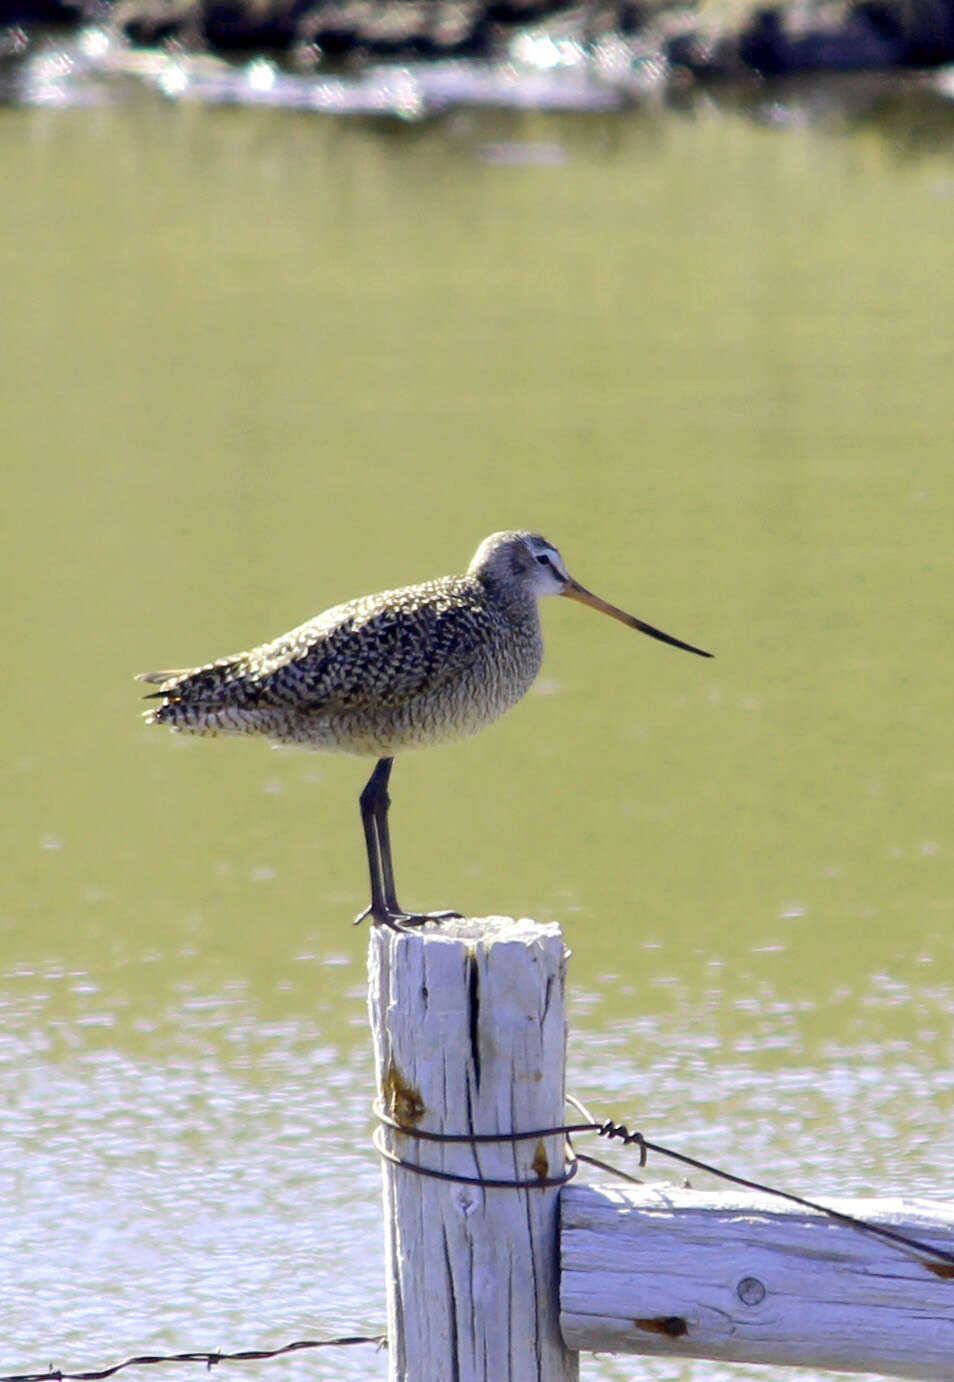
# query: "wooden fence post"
469 1034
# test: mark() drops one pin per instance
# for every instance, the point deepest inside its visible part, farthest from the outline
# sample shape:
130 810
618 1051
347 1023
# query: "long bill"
574 591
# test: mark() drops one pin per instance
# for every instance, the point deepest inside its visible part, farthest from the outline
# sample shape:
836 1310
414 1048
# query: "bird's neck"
513 602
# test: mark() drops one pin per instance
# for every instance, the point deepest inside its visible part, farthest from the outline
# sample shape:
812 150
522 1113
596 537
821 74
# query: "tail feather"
192 698
158 678
194 683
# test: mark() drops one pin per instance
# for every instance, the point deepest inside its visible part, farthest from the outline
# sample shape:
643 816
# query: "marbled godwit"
399 670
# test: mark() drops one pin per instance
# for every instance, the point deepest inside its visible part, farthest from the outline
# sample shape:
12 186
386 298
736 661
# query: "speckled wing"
376 652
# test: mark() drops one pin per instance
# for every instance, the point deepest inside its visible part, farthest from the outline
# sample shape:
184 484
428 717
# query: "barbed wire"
943 1264
210 1359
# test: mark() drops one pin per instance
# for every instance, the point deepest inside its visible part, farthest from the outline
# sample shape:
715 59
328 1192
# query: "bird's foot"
399 920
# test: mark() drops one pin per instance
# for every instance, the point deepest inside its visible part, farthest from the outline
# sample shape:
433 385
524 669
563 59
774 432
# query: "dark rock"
928 27
861 38
704 53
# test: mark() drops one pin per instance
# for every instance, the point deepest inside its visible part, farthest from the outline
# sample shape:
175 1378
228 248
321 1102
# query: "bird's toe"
399 920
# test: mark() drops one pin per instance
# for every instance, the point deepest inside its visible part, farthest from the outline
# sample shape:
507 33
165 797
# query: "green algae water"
255 363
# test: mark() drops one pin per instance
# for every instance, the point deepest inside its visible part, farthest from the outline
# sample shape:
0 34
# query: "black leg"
368 801
385 908
381 806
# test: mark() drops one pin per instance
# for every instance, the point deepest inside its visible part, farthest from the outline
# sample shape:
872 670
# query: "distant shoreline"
730 41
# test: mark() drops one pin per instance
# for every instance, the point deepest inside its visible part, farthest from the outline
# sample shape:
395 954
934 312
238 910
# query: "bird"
424 664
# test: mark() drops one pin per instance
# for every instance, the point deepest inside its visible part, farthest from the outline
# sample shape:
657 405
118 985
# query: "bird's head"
521 564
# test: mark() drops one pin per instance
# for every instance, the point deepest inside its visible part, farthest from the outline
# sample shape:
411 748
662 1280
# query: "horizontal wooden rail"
744 1278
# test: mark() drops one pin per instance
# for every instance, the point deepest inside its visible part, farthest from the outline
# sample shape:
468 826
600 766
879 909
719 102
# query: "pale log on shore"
469 1031
745 1278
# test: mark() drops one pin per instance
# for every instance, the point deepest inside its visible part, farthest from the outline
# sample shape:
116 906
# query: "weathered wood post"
469 1034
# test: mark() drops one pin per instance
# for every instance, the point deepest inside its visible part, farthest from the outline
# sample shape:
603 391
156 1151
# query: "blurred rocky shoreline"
708 41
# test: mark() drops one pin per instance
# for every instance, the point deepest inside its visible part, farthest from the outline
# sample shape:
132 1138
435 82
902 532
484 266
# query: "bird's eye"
544 561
